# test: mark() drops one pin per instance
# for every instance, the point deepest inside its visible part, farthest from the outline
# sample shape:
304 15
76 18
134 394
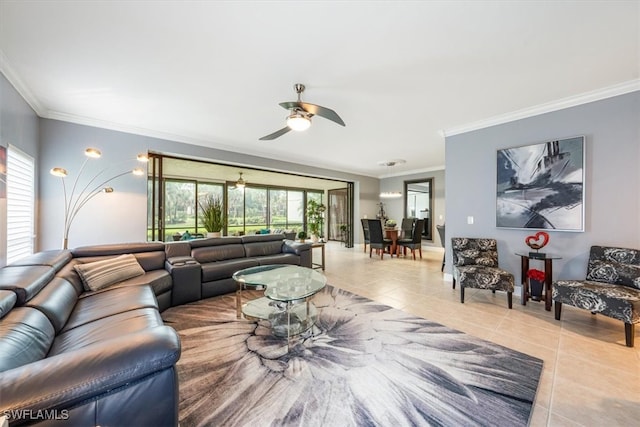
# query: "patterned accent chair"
611 288
475 265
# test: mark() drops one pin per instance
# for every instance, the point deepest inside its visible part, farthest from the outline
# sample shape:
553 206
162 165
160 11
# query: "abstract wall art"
542 186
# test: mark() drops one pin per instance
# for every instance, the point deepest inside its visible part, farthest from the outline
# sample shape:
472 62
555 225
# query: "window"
180 203
295 210
235 211
255 209
20 204
278 209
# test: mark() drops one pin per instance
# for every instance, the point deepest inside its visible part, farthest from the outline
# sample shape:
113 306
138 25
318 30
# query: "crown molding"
20 86
560 104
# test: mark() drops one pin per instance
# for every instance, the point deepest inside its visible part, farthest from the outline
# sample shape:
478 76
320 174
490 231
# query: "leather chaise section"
102 304
104 329
67 380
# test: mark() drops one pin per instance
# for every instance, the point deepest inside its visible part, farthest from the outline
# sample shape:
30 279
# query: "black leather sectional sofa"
104 357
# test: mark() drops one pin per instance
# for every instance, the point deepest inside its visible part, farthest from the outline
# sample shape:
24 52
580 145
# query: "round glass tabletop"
283 282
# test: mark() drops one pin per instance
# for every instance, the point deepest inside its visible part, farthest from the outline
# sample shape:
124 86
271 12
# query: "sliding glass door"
176 186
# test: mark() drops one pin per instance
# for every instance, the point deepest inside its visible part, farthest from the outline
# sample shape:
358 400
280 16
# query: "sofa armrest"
303 250
186 276
65 380
292 247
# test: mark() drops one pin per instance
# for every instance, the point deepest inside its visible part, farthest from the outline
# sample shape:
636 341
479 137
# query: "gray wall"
121 216
395 207
18 127
612 210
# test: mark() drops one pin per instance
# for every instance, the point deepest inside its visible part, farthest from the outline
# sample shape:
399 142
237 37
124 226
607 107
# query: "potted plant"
391 223
302 235
315 218
536 281
212 215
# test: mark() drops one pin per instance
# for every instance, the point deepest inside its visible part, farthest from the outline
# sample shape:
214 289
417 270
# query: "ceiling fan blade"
276 134
314 109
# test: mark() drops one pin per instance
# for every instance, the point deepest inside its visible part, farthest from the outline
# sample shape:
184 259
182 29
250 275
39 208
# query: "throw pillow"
101 274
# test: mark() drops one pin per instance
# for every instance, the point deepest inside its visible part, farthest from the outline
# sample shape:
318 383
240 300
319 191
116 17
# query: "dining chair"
365 232
415 240
406 228
377 239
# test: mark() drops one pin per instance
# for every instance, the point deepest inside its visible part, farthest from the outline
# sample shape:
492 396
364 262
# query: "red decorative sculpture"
538 240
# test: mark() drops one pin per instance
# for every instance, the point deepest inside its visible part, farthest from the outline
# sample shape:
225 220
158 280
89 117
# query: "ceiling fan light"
298 121
240 183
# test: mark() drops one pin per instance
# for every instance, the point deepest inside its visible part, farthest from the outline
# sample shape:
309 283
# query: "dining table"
392 234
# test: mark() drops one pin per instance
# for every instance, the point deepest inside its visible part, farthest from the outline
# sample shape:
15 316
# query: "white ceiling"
399 73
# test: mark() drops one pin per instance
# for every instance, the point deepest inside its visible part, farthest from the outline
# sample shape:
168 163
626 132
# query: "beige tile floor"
590 377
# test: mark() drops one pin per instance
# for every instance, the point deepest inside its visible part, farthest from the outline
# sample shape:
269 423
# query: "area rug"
366 364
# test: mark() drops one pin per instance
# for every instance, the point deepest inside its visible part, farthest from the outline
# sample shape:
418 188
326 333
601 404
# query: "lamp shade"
93 153
59 172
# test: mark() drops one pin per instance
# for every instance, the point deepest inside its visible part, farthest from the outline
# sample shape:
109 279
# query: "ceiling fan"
300 115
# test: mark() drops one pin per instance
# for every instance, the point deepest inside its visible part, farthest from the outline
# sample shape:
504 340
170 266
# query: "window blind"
20 204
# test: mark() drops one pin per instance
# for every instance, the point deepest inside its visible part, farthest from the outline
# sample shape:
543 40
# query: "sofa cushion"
7 301
25 337
224 269
617 301
26 281
105 303
257 249
69 273
207 254
101 274
106 328
56 301
159 281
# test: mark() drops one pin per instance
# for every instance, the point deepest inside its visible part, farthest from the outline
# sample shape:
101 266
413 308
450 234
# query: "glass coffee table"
286 304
